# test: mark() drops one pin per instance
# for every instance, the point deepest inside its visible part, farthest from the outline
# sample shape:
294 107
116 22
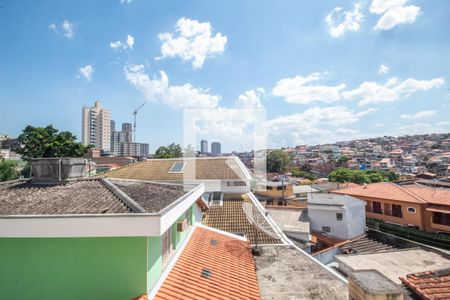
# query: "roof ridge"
124 198
409 192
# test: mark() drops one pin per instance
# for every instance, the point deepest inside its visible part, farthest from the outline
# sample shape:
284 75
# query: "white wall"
353 221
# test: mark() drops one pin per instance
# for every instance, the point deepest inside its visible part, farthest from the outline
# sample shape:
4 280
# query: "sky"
318 71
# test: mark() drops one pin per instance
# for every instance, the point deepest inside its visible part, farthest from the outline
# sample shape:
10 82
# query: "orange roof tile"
224 269
383 190
431 195
429 285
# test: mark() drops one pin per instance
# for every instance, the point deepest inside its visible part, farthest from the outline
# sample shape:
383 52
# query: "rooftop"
194 168
213 265
285 272
406 193
231 217
288 219
429 284
395 264
87 196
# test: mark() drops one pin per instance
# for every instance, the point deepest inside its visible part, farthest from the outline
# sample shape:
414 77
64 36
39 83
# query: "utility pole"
134 123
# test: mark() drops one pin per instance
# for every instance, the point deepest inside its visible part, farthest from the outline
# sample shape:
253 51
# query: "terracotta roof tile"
231 217
429 284
159 169
230 264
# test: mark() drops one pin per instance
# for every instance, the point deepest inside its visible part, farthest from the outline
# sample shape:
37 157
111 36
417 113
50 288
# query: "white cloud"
419 115
66 28
339 21
313 126
128 44
193 41
159 89
250 99
417 128
394 12
381 6
444 124
125 1
372 93
86 72
383 69
366 112
397 15
298 90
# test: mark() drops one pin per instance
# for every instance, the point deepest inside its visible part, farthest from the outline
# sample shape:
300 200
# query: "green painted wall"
154 260
72 268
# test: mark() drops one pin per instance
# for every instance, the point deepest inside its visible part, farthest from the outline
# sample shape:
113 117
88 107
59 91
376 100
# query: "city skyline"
322 73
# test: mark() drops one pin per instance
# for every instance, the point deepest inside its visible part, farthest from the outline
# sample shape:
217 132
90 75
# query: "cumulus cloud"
250 99
313 126
128 44
86 72
125 1
419 115
192 41
383 69
416 128
393 12
372 92
66 28
299 90
340 21
177 96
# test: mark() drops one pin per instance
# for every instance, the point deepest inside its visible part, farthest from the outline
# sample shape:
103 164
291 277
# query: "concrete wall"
353 221
72 268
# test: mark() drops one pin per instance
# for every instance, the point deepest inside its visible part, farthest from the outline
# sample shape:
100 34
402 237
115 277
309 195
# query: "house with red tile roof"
415 205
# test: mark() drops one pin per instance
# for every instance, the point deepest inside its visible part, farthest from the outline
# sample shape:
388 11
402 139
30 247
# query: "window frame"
341 218
412 211
182 168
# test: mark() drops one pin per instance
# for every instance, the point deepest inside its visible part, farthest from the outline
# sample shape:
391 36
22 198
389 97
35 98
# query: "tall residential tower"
96 126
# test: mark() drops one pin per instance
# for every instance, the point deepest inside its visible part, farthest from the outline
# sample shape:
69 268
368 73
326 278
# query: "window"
339 216
326 229
269 187
377 207
441 218
411 210
397 211
166 244
177 167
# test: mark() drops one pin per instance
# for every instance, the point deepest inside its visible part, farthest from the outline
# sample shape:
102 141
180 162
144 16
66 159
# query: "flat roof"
396 264
284 272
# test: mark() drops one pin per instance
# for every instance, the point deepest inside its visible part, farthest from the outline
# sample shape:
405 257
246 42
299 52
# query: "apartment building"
122 143
96 126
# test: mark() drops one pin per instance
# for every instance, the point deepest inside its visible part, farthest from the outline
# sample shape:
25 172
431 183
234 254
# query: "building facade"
96 126
204 146
122 143
216 148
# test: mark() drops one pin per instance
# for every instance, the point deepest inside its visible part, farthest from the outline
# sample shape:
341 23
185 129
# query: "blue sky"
323 70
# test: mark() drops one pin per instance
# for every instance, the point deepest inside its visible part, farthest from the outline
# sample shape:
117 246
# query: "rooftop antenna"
134 123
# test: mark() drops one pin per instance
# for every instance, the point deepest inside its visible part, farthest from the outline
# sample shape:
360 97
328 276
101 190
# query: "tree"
347 175
278 161
8 170
47 141
375 176
393 176
296 172
171 151
342 160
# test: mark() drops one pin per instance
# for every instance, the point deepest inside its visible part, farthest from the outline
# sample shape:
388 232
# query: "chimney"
372 285
56 170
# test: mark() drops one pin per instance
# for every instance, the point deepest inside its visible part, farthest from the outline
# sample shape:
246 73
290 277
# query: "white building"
96 127
339 216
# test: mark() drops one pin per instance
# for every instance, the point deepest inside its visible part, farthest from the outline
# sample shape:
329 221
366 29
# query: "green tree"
277 161
342 160
391 176
296 172
47 141
171 151
375 176
8 170
347 175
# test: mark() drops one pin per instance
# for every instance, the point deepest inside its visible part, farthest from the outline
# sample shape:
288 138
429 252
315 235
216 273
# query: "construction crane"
134 124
